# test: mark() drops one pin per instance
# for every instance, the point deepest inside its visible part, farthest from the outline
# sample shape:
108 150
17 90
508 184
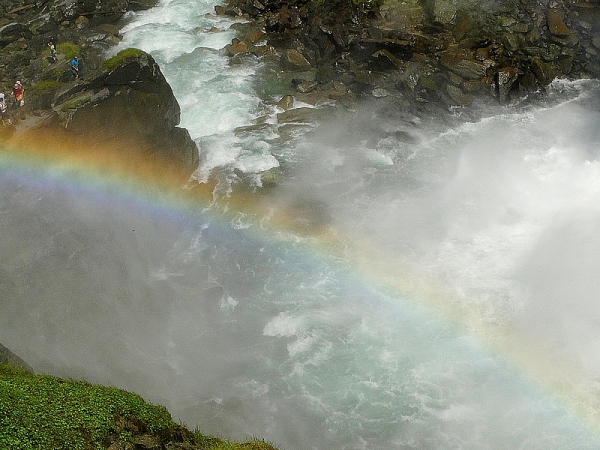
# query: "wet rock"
556 25
297 59
505 79
463 66
380 93
543 71
308 86
255 35
250 129
458 96
462 26
82 22
128 105
236 47
269 178
286 102
384 53
12 32
445 11
297 115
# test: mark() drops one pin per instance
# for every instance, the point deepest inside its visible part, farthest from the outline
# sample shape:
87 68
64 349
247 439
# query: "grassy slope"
45 412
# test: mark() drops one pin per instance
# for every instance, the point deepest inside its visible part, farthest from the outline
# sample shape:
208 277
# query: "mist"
431 261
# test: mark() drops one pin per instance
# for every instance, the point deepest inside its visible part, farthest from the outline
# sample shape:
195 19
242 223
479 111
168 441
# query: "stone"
297 59
380 93
286 102
505 79
149 442
236 47
307 86
384 53
82 22
297 115
458 97
556 25
445 11
269 178
121 445
256 35
543 71
11 32
461 27
467 68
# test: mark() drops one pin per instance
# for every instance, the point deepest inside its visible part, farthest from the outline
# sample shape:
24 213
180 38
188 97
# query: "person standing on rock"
75 67
3 108
19 92
53 53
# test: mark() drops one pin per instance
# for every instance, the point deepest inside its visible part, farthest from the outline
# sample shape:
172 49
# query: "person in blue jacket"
75 67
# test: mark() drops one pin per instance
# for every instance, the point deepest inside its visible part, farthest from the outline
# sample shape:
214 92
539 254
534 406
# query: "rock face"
129 103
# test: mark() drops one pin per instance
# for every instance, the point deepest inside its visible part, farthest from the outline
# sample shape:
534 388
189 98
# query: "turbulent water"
448 300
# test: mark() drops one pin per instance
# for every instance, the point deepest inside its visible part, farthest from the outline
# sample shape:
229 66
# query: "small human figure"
53 53
18 92
3 108
75 67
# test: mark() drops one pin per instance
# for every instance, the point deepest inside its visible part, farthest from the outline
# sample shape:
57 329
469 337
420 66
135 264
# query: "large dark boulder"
127 106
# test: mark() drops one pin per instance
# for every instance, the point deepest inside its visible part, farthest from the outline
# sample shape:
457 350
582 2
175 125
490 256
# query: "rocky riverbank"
418 52
123 104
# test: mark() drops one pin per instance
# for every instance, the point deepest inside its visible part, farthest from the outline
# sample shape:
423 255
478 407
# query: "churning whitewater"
448 300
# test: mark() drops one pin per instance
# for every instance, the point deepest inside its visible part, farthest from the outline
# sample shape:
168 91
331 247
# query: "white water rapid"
451 303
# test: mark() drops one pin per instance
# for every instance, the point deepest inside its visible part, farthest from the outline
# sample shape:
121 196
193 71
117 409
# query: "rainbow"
121 174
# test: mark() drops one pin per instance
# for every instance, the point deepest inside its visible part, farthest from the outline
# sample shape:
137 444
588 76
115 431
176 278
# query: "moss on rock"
122 57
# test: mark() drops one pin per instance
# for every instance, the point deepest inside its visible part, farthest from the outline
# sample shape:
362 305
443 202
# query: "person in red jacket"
18 92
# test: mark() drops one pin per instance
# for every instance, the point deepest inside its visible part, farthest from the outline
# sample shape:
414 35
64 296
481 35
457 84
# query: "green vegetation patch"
45 412
121 57
41 411
68 49
47 85
77 102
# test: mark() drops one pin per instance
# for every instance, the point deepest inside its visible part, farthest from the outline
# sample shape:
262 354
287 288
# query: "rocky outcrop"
124 104
129 102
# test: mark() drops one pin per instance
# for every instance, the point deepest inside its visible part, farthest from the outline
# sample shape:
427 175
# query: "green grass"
47 85
68 49
122 56
46 412
77 102
51 413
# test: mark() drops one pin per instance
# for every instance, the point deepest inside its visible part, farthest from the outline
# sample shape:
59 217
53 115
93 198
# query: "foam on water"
215 97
